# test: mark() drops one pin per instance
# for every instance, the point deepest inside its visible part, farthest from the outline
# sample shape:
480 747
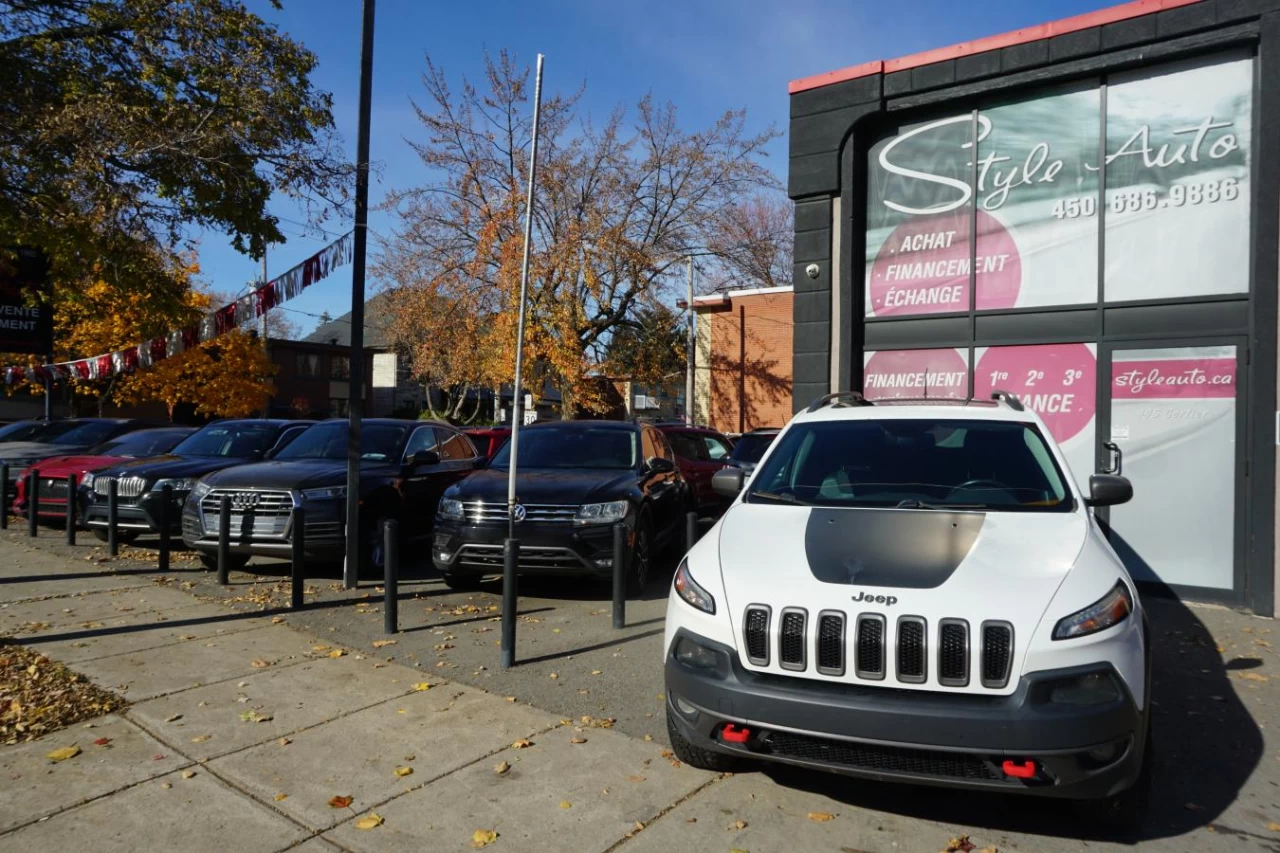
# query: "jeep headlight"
451 509
199 490
325 493
182 484
688 589
606 513
1110 610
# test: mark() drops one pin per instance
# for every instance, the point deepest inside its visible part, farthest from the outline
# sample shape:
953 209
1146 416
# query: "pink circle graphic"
939 373
923 267
1058 382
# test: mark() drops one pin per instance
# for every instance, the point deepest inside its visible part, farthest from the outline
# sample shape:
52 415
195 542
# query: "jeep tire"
696 756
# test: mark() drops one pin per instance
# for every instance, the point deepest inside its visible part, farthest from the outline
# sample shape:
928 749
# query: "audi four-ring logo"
519 512
245 500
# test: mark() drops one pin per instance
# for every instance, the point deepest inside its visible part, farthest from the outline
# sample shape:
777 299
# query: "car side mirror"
658 465
424 457
1109 490
727 482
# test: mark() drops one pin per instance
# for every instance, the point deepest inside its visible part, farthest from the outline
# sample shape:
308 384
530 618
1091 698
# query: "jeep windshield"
914 464
572 447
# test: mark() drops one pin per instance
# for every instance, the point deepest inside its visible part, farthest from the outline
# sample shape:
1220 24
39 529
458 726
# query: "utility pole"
355 386
689 357
262 330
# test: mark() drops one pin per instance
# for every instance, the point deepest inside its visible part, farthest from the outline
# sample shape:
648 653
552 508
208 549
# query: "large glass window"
940 373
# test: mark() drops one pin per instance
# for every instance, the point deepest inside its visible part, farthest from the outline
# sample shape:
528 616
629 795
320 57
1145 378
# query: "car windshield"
572 447
147 442
378 442
234 440
34 430
914 464
751 447
85 432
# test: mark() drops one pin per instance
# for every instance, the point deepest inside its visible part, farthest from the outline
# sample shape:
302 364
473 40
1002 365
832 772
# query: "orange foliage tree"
618 206
225 377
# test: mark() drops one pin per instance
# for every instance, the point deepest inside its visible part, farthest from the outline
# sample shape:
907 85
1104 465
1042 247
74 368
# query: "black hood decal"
910 549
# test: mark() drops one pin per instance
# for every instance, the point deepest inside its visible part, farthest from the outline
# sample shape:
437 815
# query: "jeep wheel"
1127 810
641 559
123 537
694 756
235 562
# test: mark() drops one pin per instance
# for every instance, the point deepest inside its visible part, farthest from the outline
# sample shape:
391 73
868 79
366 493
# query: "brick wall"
740 394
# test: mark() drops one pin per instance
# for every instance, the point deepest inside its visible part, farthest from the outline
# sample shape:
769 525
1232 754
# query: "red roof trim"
1110 15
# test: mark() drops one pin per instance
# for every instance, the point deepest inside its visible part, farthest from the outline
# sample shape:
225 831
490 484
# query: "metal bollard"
113 515
297 524
391 576
510 562
71 509
224 540
690 531
166 507
4 496
33 501
620 575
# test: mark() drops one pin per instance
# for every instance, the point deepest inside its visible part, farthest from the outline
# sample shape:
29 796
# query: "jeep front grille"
831 643
953 653
911 650
755 635
868 661
882 758
997 653
791 640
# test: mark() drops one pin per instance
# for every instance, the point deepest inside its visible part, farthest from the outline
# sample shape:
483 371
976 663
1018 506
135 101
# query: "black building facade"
1087 214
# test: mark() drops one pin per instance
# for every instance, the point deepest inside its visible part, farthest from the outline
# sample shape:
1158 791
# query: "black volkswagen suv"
574 481
219 445
404 468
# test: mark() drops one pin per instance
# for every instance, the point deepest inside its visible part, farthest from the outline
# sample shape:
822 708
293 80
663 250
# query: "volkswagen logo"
244 500
519 512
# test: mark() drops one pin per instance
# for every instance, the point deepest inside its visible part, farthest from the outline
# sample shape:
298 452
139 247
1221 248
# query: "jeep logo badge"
886 600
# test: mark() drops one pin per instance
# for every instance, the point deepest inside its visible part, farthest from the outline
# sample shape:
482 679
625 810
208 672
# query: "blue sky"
705 56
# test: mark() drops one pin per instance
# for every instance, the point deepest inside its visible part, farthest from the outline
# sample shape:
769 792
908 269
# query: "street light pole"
689 357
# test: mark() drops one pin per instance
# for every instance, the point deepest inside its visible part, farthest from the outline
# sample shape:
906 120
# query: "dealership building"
1084 213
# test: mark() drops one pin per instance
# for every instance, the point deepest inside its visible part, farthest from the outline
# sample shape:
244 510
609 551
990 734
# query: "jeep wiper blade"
774 496
914 503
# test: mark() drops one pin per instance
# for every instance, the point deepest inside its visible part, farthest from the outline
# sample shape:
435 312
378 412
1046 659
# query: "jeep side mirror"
424 457
1108 490
658 465
727 482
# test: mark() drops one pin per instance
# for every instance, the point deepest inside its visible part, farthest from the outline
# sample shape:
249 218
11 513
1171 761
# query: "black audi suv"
404 468
574 481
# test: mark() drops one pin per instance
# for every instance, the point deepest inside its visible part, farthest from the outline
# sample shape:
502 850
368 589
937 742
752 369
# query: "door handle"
1117 458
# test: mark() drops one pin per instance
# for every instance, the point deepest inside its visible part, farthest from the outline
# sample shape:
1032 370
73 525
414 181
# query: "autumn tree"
228 376
751 243
618 205
650 349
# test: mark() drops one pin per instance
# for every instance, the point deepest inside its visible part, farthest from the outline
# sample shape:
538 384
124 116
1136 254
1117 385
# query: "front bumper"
960 740
324 539
464 549
141 513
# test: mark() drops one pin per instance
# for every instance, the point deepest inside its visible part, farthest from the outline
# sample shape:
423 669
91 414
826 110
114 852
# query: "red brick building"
742 375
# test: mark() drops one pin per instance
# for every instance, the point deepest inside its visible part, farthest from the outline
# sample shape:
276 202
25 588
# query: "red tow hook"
1023 770
732 734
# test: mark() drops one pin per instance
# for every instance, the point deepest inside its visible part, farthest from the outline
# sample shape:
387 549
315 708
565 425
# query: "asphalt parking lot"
1217 782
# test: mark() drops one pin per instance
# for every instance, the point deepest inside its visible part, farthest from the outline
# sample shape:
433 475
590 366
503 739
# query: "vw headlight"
1112 609
182 484
326 493
606 513
693 595
199 490
451 509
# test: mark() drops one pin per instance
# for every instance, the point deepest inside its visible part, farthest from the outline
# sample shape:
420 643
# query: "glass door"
1174 419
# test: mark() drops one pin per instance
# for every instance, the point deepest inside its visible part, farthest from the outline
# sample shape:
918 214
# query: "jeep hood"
937 564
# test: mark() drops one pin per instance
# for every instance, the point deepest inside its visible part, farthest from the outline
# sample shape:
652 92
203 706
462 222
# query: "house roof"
377 326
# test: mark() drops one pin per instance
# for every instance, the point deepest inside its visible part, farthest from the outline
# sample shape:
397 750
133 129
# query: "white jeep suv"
915 591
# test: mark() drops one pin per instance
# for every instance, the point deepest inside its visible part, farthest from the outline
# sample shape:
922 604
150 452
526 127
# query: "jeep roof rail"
1008 399
838 398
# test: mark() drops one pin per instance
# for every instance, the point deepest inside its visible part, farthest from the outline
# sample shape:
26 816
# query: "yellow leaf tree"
228 376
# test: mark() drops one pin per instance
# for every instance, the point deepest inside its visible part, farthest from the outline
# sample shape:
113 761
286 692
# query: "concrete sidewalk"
243 730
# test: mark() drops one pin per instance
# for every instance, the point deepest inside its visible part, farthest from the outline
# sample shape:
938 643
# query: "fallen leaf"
173 718
523 743
337 653
259 663
565 804
281 797
961 844
403 771
553 675
737 824
596 671
159 756
577 740
1273 826
648 737
636 778
821 817
166 785
102 741
501 767
555 630
483 838
284 741
511 698
379 644
320 648
200 738
339 801
252 716
63 753
187 774
371 821
423 685
276 620
1252 676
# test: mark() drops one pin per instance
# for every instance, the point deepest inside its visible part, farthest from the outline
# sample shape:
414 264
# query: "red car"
700 452
54 472
488 439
